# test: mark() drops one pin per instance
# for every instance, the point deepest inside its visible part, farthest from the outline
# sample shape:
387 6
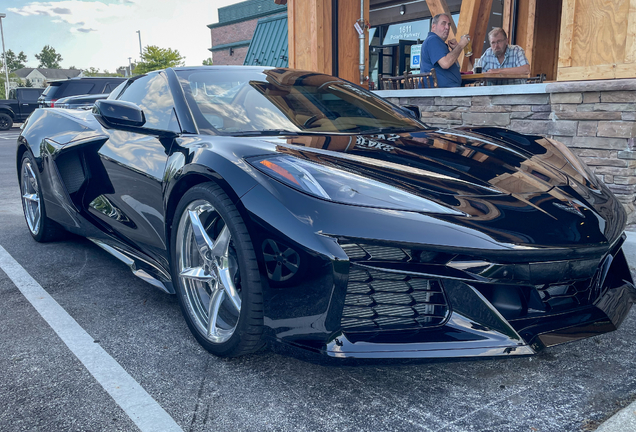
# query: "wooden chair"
421 80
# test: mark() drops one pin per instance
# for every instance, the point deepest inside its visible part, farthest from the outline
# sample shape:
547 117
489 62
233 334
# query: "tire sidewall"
251 293
8 119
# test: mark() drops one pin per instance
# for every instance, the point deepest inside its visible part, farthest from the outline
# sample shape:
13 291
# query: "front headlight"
343 187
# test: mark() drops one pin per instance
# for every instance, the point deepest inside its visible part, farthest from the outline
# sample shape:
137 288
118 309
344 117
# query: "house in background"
261 21
39 77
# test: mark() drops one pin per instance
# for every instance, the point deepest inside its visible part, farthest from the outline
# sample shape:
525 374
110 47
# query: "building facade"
40 77
232 35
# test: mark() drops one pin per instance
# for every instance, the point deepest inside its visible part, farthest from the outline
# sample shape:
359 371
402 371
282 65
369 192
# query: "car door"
135 164
28 101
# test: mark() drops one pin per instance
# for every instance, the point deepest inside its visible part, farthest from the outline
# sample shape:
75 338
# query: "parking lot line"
127 393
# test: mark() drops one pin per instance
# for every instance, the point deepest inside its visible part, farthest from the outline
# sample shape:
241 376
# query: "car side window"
30 96
152 94
78 88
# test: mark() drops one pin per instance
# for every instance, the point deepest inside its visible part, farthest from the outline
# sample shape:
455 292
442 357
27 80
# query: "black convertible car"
291 206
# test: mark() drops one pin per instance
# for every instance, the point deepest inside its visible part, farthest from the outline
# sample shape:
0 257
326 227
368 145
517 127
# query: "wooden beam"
481 28
567 34
309 35
507 16
473 20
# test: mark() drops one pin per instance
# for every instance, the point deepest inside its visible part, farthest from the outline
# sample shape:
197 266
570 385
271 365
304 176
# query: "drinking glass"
468 49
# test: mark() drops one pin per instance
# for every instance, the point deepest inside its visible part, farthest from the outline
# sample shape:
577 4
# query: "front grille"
378 300
556 297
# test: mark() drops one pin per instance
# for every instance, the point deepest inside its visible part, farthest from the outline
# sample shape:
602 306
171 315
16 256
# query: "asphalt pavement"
115 348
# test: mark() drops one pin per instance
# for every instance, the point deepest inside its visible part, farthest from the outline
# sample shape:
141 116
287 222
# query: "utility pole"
129 66
4 56
139 33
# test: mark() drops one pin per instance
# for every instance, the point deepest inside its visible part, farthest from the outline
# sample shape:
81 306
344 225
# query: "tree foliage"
154 58
91 72
16 61
48 58
208 62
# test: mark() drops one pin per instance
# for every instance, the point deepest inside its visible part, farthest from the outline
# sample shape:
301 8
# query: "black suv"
77 86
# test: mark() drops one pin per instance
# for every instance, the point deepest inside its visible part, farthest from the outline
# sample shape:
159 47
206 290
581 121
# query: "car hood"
497 178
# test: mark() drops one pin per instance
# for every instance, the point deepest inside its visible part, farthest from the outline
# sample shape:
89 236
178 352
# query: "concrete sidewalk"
625 419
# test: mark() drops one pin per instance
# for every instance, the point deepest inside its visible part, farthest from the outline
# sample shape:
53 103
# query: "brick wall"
596 119
233 32
223 57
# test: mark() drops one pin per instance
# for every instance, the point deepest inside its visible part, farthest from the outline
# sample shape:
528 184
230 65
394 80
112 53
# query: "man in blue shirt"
436 54
504 58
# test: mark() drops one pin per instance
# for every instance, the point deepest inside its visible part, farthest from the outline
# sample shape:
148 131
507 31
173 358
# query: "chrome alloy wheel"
30 197
208 271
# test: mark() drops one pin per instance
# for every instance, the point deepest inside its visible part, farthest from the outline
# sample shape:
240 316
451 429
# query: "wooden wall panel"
600 32
525 27
597 40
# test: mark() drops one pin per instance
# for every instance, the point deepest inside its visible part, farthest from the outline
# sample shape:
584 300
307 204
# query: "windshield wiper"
266 132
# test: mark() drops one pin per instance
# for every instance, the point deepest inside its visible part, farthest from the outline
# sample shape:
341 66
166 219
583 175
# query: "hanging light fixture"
402 10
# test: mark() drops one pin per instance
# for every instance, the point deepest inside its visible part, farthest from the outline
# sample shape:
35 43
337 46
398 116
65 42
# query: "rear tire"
42 228
5 121
215 273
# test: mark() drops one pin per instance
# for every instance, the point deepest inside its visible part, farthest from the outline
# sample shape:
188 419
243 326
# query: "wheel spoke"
31 197
291 266
36 221
230 289
277 276
273 245
197 273
221 244
269 257
213 311
289 252
201 238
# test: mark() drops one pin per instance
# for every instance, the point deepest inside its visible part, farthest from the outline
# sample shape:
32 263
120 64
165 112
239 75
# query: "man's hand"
452 43
463 41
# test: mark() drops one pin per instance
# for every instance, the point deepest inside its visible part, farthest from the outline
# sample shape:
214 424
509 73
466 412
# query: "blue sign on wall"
413 30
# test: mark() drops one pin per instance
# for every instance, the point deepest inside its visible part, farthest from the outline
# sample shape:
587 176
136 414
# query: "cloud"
82 15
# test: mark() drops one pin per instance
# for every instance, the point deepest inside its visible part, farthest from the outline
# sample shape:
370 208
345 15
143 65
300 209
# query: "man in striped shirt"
504 58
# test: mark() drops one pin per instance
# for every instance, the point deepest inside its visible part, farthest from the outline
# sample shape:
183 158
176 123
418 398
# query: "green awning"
269 44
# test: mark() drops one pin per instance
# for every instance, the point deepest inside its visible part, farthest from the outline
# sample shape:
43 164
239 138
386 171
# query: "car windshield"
235 101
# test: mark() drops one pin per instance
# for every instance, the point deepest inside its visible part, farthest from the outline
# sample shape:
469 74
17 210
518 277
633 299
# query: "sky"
103 33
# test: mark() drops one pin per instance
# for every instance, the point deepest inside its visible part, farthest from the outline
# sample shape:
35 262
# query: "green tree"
208 62
91 72
48 58
154 58
28 83
16 61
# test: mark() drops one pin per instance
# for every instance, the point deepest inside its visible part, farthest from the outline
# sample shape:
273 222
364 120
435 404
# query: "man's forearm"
449 59
525 69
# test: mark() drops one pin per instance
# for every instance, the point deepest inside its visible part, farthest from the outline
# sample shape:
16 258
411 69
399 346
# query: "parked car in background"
21 103
77 86
85 102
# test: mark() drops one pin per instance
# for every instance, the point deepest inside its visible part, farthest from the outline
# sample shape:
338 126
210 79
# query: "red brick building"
232 35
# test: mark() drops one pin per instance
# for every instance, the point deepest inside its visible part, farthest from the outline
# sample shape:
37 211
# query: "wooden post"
310 37
473 20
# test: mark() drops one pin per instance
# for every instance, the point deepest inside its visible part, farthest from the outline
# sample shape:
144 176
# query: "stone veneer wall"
596 119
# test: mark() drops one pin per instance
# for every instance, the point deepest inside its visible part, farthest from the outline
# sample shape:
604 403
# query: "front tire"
216 274
42 228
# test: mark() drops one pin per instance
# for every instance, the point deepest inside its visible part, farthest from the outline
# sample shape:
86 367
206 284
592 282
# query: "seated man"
504 58
436 54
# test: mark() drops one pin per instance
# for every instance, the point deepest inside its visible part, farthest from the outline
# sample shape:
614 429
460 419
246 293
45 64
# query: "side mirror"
413 110
115 113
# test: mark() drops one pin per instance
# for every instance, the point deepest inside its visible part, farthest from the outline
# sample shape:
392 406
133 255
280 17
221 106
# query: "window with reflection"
233 101
152 93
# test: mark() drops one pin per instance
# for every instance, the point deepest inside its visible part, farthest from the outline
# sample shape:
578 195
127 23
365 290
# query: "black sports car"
292 206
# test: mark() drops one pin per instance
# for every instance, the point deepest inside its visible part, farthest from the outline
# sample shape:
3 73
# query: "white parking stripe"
127 393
